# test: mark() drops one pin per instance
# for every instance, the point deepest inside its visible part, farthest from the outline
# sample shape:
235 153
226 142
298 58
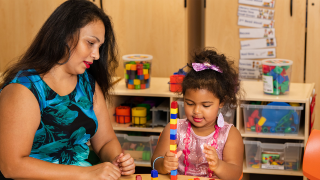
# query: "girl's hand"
126 164
170 161
104 171
211 156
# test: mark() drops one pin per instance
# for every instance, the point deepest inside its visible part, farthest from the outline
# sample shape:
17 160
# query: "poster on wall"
253 12
257 53
258 43
257 33
250 69
257 23
263 3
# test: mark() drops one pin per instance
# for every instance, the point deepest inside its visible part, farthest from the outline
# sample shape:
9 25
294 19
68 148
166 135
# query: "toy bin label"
253 12
263 3
267 84
268 166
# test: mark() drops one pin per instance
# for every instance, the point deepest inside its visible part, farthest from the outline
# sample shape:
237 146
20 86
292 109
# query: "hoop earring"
68 57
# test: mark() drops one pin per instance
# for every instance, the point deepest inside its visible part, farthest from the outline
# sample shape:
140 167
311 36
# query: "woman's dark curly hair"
225 86
50 44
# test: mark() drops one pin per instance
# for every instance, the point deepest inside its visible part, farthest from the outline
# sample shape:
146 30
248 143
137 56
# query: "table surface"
160 177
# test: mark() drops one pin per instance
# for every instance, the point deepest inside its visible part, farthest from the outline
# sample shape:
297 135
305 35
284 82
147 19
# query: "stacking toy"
139 115
137 69
123 114
173 133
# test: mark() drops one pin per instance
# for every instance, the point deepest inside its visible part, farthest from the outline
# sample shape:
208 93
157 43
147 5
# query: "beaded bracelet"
155 161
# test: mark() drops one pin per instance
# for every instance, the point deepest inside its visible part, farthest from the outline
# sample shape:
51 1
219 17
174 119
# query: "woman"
52 102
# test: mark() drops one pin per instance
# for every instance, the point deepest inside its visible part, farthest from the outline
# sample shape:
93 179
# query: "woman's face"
91 37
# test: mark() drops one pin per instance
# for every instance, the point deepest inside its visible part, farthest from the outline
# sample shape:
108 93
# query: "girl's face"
91 37
201 107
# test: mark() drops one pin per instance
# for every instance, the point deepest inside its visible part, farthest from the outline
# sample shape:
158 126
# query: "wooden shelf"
126 127
159 87
142 164
270 171
299 92
299 136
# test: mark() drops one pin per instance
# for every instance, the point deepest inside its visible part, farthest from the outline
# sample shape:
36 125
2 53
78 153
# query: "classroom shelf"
126 127
299 136
270 171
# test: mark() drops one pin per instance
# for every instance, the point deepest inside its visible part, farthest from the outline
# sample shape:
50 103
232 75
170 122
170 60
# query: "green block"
126 76
132 62
277 69
146 66
137 86
286 67
276 91
146 155
287 130
275 84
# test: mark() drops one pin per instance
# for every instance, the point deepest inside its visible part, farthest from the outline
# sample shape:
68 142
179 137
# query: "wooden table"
160 177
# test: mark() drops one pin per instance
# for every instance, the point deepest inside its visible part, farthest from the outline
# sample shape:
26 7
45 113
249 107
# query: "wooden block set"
173 133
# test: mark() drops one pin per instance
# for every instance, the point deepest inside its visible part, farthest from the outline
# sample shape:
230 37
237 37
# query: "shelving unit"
299 93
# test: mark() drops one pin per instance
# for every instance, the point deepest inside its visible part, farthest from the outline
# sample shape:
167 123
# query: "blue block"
147 85
174 172
141 77
280 79
173 136
273 74
173 116
173 131
130 81
286 78
154 173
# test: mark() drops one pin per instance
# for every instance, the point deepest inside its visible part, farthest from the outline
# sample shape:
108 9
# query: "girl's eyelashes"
189 104
206 106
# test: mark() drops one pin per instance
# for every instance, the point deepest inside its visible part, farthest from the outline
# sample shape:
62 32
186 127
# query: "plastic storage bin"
276 76
137 70
275 118
138 147
286 156
154 142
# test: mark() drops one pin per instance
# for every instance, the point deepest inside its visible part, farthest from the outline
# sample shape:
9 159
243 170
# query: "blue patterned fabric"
67 122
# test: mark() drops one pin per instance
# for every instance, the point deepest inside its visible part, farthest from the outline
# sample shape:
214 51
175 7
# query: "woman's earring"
220 120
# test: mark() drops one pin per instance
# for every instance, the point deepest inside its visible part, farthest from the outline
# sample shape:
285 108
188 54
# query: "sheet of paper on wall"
258 43
257 53
257 23
263 3
250 69
253 12
257 33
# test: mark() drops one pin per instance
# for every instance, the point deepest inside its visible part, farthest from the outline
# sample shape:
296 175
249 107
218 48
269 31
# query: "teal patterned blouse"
67 122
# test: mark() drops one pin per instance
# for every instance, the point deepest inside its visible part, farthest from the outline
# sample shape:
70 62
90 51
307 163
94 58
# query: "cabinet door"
155 27
313 52
20 22
222 31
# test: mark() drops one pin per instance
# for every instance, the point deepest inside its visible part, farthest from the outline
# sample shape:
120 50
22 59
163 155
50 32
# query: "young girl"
206 145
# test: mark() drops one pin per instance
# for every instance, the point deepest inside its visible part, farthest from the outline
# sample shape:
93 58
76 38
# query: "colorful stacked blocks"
173 133
138 74
279 71
154 175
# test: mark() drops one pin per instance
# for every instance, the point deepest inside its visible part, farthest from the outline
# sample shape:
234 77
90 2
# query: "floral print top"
67 122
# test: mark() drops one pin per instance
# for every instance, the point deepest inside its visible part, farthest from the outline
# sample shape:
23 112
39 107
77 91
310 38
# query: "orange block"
175 151
173 126
130 86
174 177
133 67
173 142
146 76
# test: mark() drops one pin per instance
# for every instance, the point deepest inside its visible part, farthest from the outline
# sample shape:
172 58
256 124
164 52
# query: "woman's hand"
126 164
211 156
104 171
170 161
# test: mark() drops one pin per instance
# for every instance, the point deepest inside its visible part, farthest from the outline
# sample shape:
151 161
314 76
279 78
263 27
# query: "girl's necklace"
186 150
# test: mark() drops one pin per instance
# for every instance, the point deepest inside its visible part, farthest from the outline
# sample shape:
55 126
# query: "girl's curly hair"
225 86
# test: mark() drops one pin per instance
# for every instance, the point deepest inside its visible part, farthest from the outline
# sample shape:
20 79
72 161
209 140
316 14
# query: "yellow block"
128 66
262 121
173 147
174 111
154 178
145 71
136 81
173 121
139 115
